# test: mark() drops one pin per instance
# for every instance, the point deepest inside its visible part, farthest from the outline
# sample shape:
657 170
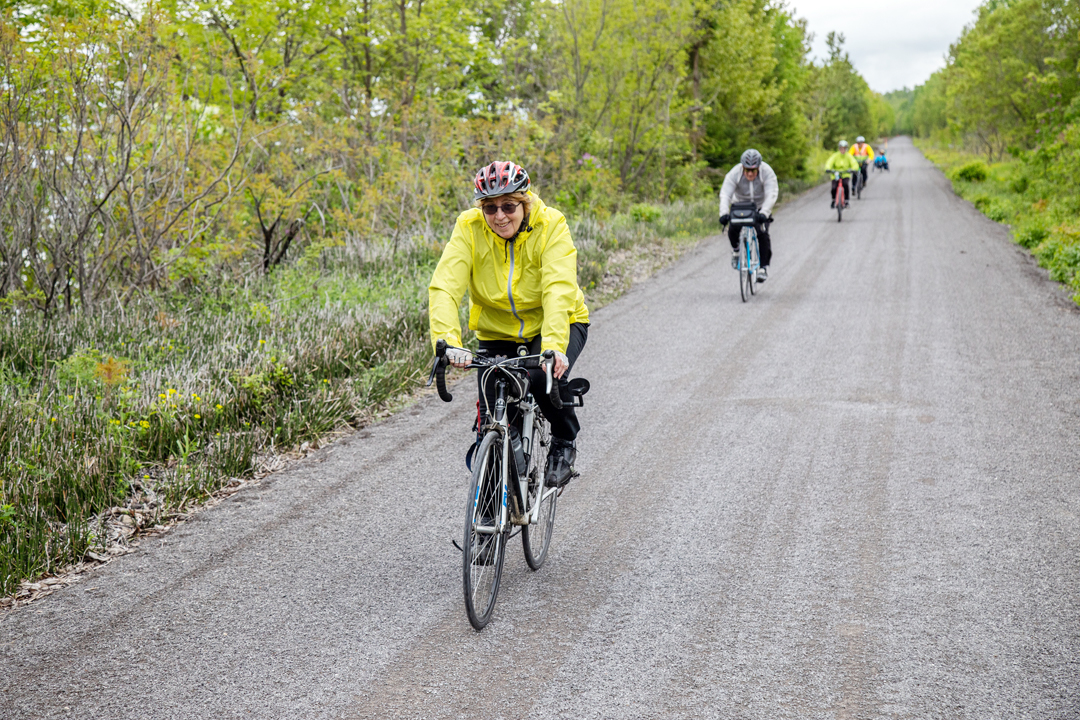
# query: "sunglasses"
507 208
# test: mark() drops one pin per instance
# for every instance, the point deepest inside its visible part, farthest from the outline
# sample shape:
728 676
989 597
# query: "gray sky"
892 43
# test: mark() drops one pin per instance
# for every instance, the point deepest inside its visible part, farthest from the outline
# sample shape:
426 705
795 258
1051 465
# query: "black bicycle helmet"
501 177
751 159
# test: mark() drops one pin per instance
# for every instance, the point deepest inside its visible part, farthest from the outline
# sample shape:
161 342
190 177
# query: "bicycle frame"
500 423
526 402
749 239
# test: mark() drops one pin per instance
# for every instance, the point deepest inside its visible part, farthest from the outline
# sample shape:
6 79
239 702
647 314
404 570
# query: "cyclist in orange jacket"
863 153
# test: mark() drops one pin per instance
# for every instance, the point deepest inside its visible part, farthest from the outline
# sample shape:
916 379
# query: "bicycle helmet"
860 139
501 177
843 143
751 159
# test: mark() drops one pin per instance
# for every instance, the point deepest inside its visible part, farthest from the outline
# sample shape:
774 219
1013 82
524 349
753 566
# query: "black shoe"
560 462
762 274
833 204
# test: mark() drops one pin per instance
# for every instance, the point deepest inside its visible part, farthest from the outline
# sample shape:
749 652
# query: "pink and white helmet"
501 177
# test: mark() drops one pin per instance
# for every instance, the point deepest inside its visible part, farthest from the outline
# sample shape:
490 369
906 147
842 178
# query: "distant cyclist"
881 161
515 257
863 153
752 180
841 160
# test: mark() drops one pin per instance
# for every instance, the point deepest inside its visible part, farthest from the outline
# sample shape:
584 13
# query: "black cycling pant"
847 189
563 421
764 242
863 170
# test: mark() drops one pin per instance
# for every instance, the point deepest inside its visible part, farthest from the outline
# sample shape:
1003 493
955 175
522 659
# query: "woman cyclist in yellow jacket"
515 256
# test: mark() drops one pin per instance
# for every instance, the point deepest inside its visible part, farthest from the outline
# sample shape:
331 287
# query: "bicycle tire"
536 538
858 191
839 205
483 552
744 265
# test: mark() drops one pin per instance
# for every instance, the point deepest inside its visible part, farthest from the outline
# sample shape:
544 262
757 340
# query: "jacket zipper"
510 292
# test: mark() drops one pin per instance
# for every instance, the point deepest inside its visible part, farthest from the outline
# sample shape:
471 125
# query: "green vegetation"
1010 94
218 219
1017 192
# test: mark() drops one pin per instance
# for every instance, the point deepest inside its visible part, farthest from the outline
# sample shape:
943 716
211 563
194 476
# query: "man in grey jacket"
752 180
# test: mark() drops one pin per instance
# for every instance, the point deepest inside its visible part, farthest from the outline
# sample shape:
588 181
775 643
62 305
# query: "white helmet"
860 139
843 143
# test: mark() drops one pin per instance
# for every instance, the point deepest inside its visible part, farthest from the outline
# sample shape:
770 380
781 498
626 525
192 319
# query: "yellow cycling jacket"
841 161
517 289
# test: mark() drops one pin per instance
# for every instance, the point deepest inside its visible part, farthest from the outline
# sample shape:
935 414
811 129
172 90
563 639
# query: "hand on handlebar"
458 357
761 217
562 364
724 219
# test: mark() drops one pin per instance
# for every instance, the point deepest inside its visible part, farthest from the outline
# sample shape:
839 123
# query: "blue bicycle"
749 261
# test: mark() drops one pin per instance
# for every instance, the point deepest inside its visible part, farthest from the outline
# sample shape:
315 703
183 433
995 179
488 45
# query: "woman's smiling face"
502 223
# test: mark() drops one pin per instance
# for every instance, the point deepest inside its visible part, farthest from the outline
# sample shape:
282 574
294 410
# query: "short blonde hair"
521 197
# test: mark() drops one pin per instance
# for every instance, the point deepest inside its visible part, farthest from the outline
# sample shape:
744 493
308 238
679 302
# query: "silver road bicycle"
507 491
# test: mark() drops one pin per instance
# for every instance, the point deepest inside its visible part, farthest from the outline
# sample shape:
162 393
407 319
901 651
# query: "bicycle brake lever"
552 387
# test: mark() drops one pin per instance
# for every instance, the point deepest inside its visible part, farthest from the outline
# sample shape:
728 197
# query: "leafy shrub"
1062 259
1031 235
643 212
972 172
998 211
1019 185
993 208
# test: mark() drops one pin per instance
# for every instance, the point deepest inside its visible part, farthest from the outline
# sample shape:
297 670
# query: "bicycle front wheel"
484 545
536 537
744 267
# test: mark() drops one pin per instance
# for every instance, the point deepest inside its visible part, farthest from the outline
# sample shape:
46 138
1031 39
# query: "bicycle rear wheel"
536 538
484 546
744 267
839 205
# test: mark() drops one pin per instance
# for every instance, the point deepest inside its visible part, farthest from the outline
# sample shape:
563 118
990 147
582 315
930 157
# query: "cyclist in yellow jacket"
841 160
515 256
863 154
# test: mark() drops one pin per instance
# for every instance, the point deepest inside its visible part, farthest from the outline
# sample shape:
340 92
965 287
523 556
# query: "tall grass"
178 394
602 241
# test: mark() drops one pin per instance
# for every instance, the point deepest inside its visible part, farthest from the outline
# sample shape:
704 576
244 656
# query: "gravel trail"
855 496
